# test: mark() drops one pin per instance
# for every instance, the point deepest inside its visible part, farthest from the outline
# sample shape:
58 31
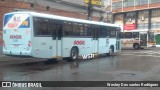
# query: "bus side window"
41 27
113 32
81 29
135 34
107 32
75 29
85 29
97 30
128 34
88 30
122 35
67 28
45 30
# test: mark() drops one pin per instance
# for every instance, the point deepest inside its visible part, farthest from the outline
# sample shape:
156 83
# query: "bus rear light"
29 43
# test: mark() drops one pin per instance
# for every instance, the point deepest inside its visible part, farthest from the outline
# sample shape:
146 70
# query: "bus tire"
136 46
74 54
111 50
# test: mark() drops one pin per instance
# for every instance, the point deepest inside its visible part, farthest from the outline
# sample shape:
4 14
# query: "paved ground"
1 50
129 65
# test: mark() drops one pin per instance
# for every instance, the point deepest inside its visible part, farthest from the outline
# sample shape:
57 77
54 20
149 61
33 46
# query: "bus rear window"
15 21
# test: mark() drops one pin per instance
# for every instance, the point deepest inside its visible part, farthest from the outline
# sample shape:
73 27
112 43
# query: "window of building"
143 13
116 5
156 13
128 3
141 2
155 25
154 1
118 17
143 26
129 17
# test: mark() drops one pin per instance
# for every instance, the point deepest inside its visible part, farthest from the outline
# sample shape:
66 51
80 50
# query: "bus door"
95 39
57 43
143 39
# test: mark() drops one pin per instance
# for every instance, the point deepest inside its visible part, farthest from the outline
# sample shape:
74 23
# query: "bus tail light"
29 45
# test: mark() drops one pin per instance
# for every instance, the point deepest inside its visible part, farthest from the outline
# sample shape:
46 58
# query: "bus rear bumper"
17 53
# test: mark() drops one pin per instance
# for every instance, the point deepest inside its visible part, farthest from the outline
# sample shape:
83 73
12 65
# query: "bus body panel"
42 47
112 42
103 45
17 34
84 45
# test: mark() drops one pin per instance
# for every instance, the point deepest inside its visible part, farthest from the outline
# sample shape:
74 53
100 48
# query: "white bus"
137 39
50 36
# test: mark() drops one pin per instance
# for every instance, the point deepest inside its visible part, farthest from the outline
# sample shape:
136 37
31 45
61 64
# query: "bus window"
37 26
113 32
67 29
76 31
41 26
89 31
81 30
103 32
85 30
45 30
128 35
52 29
97 29
151 36
107 32
135 34
122 35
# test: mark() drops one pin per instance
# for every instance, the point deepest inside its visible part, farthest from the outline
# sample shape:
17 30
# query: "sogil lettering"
79 42
15 37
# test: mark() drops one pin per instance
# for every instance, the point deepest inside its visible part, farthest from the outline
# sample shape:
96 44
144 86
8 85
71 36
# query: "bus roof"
51 16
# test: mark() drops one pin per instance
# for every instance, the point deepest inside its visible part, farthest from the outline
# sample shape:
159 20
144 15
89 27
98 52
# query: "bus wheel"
136 46
74 53
111 50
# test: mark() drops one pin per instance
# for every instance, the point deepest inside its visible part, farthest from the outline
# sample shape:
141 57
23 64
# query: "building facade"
68 8
138 15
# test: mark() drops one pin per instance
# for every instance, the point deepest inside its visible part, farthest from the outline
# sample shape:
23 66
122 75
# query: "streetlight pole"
90 10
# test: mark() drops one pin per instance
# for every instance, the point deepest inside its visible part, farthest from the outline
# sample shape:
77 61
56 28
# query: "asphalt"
1 53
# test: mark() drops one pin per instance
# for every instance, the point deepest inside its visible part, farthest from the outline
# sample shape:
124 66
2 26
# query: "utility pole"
90 10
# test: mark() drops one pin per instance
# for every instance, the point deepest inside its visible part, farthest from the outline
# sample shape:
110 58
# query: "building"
68 8
138 15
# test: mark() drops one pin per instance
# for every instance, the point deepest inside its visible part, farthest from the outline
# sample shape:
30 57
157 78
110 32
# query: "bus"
137 39
42 35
